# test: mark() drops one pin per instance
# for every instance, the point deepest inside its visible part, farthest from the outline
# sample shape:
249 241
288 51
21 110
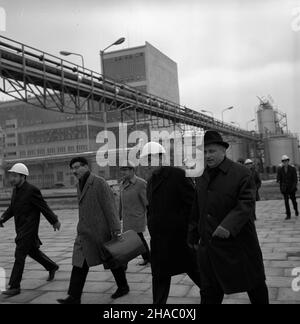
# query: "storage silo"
266 117
277 146
237 150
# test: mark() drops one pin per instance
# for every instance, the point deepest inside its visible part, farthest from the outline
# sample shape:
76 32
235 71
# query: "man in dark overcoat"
288 180
222 228
170 198
98 224
26 205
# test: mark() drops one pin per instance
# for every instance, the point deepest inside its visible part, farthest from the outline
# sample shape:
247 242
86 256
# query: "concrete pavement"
280 242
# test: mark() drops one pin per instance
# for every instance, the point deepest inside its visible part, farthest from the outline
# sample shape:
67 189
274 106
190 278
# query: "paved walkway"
280 241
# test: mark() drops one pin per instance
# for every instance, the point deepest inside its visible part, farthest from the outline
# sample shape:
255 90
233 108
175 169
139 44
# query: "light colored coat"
98 219
133 205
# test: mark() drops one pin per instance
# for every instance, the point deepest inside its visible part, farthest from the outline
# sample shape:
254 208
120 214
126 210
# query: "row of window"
54 150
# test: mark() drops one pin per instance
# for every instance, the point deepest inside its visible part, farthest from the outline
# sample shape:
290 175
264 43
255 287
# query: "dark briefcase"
123 249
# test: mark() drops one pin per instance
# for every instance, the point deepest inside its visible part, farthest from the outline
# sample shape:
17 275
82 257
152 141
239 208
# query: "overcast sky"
228 51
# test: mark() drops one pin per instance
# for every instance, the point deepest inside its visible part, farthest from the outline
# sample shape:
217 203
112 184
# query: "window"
71 149
61 149
41 151
11 153
60 176
51 150
31 153
82 148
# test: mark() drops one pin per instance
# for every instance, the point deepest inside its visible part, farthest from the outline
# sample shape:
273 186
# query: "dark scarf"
213 172
83 180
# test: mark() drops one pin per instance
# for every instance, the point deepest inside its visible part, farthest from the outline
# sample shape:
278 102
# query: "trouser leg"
287 205
195 276
146 255
120 277
37 255
212 295
259 295
294 201
211 291
77 281
161 289
18 268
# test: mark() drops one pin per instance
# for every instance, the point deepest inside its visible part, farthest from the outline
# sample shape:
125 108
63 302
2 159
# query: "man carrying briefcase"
98 223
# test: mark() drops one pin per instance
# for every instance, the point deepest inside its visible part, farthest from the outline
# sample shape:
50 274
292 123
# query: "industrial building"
277 139
144 68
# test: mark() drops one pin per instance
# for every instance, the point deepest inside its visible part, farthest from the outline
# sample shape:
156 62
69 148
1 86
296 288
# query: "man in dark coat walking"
98 224
26 205
222 228
288 180
170 197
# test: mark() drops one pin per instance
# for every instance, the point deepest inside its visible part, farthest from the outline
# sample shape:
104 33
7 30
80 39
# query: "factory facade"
144 68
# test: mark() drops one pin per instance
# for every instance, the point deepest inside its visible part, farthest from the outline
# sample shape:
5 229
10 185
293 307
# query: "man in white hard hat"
251 166
288 179
26 205
170 197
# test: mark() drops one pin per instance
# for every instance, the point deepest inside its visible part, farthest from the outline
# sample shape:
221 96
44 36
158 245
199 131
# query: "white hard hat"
152 148
248 161
285 158
20 168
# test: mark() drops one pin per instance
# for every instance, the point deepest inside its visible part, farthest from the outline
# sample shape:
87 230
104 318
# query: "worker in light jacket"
133 205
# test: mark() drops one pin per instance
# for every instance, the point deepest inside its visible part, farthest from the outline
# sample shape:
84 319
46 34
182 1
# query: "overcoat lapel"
87 185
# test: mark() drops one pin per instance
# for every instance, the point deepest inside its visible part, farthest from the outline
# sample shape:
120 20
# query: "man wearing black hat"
222 228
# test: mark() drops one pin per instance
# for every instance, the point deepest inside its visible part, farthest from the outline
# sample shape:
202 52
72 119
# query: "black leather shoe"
52 274
11 292
144 263
288 218
297 213
120 292
69 300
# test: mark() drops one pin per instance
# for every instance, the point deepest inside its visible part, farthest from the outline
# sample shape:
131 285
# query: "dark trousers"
287 197
78 278
215 295
146 255
20 257
161 287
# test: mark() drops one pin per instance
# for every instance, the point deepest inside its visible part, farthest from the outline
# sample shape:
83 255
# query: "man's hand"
57 226
221 232
193 241
117 235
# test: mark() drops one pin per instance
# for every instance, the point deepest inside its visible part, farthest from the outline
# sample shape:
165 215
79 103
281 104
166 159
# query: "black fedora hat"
213 137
